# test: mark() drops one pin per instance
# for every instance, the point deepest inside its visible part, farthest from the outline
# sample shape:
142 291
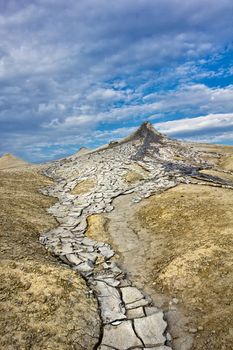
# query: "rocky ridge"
129 319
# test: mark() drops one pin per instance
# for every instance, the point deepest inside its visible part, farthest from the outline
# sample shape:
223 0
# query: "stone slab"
131 294
120 337
135 313
150 329
110 302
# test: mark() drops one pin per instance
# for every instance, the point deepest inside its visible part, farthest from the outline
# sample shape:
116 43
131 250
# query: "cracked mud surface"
128 276
43 305
171 249
129 319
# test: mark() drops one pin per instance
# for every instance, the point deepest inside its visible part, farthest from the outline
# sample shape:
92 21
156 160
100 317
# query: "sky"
79 73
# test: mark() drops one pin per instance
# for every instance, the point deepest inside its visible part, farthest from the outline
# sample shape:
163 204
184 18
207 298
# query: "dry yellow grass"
42 304
9 161
222 175
136 174
227 162
189 229
207 147
84 186
96 228
132 177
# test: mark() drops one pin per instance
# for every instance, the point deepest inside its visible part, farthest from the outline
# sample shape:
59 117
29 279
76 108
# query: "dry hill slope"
146 164
8 161
147 223
43 305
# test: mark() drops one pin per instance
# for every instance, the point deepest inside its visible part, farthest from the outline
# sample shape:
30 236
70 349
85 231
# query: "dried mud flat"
164 207
43 304
177 247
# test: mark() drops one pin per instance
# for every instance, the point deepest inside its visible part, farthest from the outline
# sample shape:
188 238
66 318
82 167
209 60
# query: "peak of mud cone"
147 130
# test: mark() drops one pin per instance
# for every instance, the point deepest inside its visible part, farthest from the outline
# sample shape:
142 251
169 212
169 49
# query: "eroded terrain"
147 223
43 305
135 168
172 250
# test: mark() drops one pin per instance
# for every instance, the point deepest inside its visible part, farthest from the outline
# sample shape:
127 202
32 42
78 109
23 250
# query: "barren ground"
192 227
43 305
177 246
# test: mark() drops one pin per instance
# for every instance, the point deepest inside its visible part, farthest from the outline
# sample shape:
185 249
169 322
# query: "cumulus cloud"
105 94
70 66
208 124
197 98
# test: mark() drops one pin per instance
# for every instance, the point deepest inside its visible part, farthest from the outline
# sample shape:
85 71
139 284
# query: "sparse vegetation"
96 228
190 228
84 186
138 173
175 245
43 305
133 176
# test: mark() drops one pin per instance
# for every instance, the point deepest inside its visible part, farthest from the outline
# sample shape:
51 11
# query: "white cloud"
116 114
65 68
105 94
48 107
187 99
195 97
203 124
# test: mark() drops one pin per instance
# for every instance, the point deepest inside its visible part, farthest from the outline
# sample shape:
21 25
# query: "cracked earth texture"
129 319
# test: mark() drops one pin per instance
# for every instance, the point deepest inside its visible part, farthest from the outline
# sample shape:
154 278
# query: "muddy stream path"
132 317
133 245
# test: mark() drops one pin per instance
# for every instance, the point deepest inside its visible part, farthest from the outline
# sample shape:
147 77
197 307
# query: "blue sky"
82 72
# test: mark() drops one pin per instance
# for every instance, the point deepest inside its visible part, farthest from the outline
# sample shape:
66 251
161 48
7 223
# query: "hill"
8 161
147 222
42 304
151 200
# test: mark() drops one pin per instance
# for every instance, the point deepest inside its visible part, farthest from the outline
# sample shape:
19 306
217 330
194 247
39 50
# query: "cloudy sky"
82 72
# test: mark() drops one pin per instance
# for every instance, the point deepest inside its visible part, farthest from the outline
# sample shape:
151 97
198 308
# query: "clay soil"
177 247
190 257
43 304
225 158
